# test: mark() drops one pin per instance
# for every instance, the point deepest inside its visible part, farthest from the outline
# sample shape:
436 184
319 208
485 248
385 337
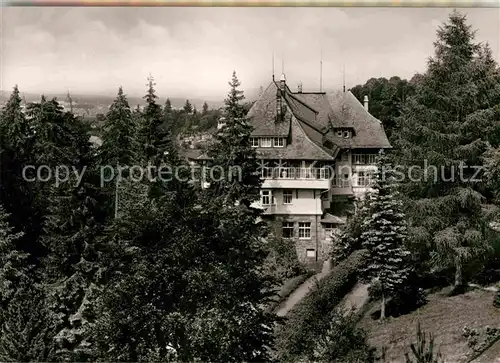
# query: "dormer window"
344 132
279 142
266 142
254 141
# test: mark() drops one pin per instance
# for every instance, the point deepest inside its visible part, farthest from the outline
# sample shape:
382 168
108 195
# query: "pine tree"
13 262
233 155
18 196
384 235
158 141
188 108
236 246
205 109
119 145
443 130
120 148
76 216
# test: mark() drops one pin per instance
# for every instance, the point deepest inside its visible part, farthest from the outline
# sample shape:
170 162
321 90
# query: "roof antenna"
273 66
321 71
282 63
343 76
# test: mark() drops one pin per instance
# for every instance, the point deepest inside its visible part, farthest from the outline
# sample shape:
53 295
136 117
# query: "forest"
165 270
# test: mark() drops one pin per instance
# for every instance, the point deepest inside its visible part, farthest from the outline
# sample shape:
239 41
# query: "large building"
317 150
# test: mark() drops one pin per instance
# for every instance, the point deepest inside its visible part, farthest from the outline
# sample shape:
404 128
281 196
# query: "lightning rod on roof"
321 71
273 66
343 76
282 63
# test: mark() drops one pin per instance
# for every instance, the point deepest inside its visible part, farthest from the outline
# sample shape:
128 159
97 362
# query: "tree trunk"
458 273
382 307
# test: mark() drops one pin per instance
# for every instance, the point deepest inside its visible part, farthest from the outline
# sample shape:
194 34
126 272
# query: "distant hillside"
99 100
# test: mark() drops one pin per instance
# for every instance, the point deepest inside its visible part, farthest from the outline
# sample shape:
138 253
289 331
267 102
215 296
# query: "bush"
282 262
310 318
343 342
496 301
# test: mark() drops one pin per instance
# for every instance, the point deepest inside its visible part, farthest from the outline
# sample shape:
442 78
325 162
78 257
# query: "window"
266 197
364 178
287 197
279 142
310 253
266 142
329 229
347 134
254 141
305 230
339 133
344 156
287 229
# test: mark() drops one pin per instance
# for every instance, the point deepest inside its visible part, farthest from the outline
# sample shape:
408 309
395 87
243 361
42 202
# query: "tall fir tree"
75 220
233 155
238 249
384 235
120 148
19 196
442 134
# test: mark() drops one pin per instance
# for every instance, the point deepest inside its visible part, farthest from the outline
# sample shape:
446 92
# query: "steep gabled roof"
347 111
262 115
320 103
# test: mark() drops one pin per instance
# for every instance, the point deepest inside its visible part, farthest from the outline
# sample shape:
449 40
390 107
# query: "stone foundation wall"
317 241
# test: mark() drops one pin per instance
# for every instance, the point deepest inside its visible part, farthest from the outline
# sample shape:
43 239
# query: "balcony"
342 186
296 178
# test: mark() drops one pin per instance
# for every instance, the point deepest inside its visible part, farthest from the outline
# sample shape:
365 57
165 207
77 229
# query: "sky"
192 52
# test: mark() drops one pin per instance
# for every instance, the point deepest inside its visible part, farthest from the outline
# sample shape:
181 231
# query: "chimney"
366 103
282 81
300 87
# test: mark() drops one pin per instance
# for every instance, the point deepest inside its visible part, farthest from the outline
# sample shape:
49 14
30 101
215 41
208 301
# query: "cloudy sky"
192 51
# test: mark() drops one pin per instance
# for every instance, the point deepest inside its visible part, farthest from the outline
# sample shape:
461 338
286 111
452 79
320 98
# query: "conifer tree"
384 235
120 148
188 108
205 109
119 145
71 268
157 140
237 248
17 195
444 130
233 155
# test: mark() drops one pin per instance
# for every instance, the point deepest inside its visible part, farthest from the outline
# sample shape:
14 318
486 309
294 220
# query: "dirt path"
302 291
356 299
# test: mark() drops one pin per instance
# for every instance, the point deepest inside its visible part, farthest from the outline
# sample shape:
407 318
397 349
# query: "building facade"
317 151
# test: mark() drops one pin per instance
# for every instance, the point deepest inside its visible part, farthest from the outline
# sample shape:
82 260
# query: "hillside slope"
443 316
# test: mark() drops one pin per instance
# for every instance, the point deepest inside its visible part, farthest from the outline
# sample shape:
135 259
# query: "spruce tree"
119 145
157 140
120 148
235 160
442 134
19 196
384 235
237 250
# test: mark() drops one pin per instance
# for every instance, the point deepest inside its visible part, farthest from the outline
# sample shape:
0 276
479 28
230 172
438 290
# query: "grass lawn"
443 316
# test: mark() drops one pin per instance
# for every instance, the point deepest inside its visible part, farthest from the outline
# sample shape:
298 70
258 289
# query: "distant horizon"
193 51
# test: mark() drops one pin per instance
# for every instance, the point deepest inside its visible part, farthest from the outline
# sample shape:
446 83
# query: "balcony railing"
340 182
296 173
364 159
